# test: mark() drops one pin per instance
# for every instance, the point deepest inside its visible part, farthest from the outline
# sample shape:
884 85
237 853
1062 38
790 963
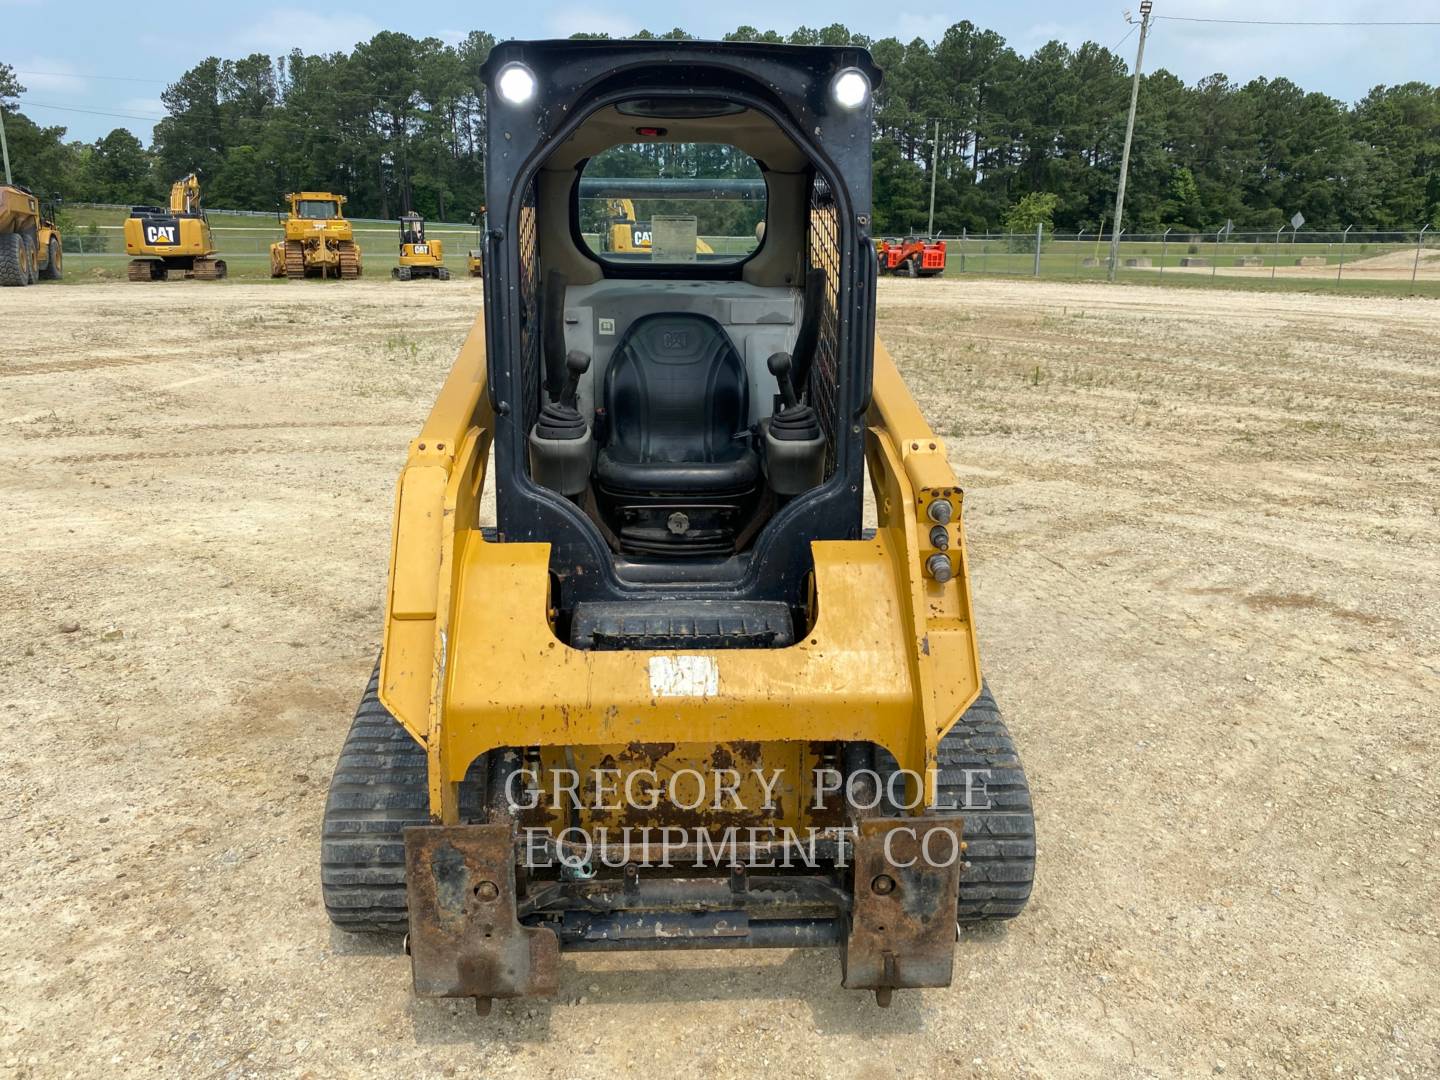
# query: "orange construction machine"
914 256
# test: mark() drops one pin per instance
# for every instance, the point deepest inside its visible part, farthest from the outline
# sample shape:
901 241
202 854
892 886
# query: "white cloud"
45 74
909 26
282 29
581 18
143 106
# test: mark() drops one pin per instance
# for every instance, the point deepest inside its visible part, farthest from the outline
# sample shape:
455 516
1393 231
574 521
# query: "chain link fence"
1278 255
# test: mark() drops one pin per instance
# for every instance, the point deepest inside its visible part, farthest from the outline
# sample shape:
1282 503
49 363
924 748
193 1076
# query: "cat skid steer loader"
679 696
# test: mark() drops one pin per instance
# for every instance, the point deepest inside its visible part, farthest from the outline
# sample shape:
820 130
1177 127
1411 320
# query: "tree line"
398 123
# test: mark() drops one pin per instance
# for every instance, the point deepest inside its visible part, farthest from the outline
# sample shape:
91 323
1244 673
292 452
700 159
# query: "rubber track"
1000 858
378 789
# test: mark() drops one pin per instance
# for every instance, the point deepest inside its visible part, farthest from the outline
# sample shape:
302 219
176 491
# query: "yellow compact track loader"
175 242
30 248
319 241
679 696
419 258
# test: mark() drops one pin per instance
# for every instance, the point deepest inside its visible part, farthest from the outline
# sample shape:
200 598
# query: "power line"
1133 28
1289 22
92 112
88 75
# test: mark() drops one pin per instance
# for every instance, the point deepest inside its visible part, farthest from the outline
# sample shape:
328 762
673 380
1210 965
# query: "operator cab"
317 209
679 331
412 229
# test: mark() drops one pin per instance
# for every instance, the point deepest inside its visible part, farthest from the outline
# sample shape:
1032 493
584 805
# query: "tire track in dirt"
221 451
192 429
66 367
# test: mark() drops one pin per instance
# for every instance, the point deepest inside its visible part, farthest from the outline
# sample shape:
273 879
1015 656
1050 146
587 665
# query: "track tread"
350 265
294 259
1000 857
378 788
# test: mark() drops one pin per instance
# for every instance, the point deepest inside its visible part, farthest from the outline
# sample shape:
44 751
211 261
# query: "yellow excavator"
419 258
624 235
172 242
475 257
319 241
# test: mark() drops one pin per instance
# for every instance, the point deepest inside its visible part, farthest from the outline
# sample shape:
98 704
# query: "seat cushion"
677 398
738 473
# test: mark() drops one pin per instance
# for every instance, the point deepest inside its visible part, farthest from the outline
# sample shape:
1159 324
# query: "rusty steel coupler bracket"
465 937
906 887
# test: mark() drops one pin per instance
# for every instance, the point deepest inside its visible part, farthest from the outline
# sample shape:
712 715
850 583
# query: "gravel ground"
1207 575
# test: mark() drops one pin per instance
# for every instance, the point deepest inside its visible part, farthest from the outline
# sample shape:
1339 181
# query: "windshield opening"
320 209
672 203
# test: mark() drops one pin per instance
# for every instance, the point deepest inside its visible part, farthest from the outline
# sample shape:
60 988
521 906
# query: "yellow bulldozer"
681 694
419 258
30 245
319 241
174 242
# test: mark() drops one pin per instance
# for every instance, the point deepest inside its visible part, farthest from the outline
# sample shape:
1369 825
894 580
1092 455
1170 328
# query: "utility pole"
4 146
1145 7
934 171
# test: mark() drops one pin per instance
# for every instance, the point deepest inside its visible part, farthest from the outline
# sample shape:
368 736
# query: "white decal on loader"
684 676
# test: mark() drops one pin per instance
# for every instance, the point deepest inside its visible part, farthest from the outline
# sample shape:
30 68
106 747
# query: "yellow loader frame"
892 658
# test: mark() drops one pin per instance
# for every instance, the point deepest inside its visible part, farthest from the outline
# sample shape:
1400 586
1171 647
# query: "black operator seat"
678 402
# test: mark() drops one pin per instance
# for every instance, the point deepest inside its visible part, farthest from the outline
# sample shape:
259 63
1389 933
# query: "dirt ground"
1205 529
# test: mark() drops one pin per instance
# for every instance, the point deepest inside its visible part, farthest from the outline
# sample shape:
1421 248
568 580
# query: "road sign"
1297 220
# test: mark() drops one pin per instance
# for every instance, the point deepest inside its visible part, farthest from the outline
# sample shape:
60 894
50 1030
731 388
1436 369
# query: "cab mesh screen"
824 254
529 250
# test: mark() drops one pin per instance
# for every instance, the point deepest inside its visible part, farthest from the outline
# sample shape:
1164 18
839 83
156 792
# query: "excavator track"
294 259
145 270
349 260
210 270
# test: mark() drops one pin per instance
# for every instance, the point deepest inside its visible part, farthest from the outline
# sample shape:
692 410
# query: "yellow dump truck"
175 241
29 241
319 241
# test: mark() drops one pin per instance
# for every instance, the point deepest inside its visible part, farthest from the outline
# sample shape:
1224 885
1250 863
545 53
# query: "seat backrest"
675 391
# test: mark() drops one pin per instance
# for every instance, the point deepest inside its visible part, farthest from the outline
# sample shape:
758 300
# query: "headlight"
515 84
850 88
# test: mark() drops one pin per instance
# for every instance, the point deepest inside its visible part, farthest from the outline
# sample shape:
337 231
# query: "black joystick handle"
576 363
779 365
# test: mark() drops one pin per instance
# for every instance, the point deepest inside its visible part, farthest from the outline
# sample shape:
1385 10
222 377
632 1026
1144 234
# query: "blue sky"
115 58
